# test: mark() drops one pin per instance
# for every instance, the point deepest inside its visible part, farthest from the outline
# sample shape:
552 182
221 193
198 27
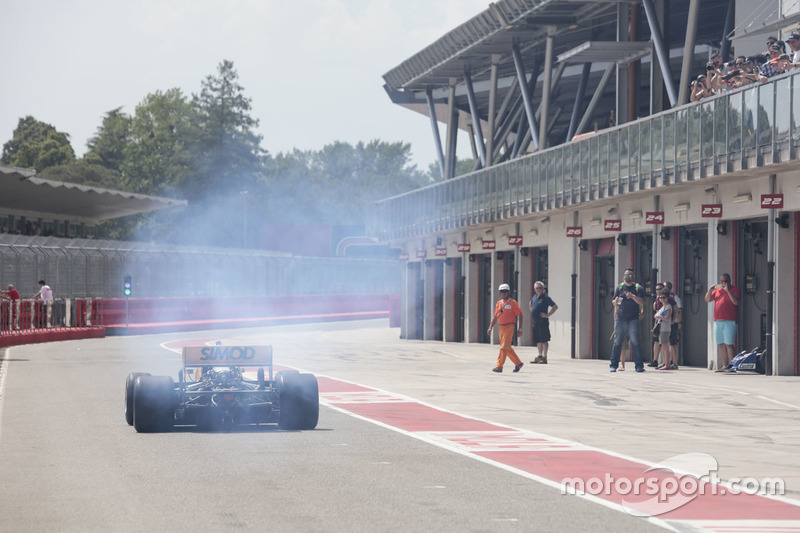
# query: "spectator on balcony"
743 67
767 70
778 65
612 119
794 46
774 52
770 41
700 89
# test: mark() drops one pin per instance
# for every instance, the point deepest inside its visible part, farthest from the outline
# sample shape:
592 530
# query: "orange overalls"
506 312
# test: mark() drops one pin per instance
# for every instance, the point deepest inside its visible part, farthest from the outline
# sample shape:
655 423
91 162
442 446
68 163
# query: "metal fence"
755 126
81 268
20 316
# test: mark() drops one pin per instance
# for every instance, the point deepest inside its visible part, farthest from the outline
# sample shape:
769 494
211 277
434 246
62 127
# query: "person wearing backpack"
629 297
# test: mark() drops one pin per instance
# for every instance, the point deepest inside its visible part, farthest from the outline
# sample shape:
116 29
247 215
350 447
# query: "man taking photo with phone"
726 304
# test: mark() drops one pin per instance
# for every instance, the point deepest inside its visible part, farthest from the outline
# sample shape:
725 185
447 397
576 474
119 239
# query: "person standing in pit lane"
677 320
506 314
542 308
629 297
726 304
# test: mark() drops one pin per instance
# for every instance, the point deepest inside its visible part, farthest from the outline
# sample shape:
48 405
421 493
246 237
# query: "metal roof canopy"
21 190
774 26
606 52
583 32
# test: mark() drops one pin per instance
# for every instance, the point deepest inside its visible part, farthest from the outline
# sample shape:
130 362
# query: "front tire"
153 404
298 398
129 395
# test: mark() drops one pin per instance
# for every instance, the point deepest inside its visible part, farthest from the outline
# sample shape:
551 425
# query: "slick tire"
298 398
129 395
153 404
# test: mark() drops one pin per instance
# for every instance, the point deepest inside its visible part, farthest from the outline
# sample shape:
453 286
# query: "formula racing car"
213 392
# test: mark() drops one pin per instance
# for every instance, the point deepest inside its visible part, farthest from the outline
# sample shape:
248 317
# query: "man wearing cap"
794 43
629 296
768 69
506 313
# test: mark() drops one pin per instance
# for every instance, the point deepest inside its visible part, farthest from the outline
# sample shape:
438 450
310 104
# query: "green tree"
107 147
463 166
162 142
37 145
231 158
336 185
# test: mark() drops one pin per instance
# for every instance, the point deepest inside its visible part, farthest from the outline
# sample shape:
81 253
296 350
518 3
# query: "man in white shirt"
794 43
46 294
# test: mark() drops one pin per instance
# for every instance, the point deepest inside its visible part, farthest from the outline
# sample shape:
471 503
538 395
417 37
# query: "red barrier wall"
159 315
152 315
150 310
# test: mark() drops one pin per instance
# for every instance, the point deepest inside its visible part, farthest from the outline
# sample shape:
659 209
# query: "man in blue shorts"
726 304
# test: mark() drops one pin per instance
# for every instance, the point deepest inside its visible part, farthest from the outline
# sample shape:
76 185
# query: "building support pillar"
688 52
526 92
452 132
491 113
661 49
472 300
598 93
579 95
545 105
437 139
477 132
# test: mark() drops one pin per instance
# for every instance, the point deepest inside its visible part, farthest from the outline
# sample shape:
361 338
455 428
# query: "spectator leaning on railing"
794 46
46 294
720 77
12 295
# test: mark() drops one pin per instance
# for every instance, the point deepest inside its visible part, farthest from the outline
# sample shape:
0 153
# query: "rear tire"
129 395
298 398
153 404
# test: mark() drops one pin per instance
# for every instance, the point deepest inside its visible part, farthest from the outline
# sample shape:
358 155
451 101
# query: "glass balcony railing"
751 127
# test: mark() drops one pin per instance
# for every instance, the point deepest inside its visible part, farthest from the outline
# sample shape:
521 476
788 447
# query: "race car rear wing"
194 356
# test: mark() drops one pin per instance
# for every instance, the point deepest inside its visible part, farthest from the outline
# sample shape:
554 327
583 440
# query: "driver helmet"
504 287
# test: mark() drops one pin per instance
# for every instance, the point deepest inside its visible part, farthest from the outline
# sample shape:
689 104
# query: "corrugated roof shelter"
22 191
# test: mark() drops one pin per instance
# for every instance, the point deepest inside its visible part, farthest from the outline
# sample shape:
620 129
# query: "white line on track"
3 372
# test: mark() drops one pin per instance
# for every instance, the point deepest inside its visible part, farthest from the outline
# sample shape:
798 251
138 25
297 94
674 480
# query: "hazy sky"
311 67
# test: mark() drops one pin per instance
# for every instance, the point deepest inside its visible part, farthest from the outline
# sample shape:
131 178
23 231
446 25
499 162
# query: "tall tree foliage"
37 145
463 166
159 156
205 149
337 184
107 147
231 157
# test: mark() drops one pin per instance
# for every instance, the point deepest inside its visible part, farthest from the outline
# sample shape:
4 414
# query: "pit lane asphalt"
69 462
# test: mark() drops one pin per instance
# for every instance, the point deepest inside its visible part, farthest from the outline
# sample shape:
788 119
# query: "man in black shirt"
629 296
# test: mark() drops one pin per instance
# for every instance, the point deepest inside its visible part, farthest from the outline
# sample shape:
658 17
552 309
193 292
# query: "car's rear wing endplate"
227 356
